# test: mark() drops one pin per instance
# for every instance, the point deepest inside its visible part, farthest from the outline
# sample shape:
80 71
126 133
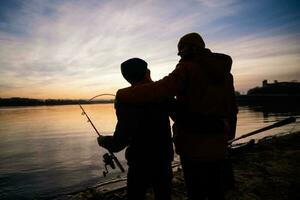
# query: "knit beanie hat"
134 70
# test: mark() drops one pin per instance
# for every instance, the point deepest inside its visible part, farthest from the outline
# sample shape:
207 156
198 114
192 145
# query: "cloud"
78 45
260 56
82 43
216 3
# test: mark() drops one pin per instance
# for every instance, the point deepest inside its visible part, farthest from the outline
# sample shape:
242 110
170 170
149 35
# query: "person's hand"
100 140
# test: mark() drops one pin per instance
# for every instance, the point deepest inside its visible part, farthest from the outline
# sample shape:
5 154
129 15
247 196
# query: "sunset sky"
73 48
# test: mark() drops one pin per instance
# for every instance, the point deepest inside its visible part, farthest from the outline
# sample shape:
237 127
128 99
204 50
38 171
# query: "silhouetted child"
145 131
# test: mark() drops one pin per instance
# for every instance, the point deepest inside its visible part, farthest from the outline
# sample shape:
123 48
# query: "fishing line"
99 95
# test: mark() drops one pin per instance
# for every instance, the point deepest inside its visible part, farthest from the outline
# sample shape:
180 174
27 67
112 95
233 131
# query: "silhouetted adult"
205 116
145 131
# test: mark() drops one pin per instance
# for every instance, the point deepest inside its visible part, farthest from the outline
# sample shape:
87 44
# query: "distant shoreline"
17 101
264 99
241 100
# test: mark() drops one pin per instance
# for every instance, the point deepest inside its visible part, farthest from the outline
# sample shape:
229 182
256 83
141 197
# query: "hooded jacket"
206 107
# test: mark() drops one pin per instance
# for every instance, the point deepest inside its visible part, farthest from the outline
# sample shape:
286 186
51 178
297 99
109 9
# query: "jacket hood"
190 43
216 65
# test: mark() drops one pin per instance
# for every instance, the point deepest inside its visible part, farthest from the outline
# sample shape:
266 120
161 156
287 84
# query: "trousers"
203 179
141 177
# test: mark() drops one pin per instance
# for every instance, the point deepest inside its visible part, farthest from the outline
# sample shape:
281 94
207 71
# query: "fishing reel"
108 161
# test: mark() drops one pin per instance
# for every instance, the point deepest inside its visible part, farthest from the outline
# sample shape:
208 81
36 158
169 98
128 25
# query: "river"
51 150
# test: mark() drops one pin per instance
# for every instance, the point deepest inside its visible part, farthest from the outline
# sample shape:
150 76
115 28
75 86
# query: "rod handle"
118 162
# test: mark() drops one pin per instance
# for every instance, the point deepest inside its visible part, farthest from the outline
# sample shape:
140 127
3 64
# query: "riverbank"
268 170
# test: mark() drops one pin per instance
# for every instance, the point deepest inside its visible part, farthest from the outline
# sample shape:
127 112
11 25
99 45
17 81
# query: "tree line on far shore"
18 101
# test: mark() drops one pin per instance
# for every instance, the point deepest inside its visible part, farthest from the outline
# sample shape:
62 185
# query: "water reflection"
50 149
251 118
47 150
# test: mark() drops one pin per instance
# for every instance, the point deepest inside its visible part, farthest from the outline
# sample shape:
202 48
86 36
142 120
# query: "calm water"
49 150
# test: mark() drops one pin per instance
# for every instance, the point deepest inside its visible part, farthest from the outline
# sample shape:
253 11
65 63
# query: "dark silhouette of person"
205 113
146 132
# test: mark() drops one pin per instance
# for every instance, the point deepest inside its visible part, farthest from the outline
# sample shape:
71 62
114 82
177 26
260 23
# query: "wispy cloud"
263 56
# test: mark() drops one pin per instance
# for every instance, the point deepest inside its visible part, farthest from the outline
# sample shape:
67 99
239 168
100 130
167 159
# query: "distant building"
277 89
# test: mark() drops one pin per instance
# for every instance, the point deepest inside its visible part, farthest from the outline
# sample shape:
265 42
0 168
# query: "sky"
73 48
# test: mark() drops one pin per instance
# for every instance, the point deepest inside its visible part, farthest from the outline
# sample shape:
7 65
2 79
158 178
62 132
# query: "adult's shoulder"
221 56
184 63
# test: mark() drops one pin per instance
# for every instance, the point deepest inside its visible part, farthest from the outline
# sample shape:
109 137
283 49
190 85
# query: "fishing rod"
280 123
109 158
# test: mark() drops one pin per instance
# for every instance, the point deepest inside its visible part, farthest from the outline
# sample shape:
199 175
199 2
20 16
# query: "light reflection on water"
47 150
251 118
